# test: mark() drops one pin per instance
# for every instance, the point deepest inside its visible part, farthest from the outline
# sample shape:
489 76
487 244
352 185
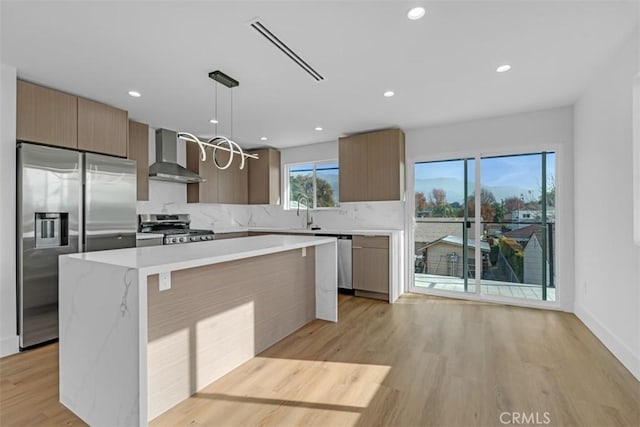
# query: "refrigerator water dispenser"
51 229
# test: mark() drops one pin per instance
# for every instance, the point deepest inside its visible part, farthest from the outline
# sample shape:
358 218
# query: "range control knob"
194 238
209 237
183 239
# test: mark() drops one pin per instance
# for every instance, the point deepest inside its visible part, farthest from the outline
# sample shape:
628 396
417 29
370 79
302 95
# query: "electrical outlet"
304 252
164 281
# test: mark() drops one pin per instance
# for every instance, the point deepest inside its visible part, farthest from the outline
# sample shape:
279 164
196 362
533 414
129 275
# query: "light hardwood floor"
422 361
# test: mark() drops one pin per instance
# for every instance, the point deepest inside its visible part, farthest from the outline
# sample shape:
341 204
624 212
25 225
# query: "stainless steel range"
175 228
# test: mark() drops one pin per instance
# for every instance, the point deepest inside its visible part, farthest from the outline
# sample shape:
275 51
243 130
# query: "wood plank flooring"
420 362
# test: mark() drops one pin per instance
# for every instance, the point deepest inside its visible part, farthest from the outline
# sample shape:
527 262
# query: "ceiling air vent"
267 34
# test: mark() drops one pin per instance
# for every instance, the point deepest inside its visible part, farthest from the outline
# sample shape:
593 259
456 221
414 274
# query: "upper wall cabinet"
264 177
372 166
222 185
233 185
102 128
138 150
46 116
207 191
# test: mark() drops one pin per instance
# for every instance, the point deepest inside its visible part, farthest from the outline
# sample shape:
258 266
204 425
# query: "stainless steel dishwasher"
344 260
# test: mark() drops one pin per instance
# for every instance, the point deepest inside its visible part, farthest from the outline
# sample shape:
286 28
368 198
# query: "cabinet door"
233 181
371 263
353 168
264 177
138 150
371 269
383 168
46 116
204 192
102 128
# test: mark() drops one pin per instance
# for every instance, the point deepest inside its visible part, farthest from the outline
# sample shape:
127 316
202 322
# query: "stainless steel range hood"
166 167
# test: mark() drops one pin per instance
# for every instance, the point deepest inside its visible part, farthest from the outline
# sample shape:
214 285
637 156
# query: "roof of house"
455 240
525 233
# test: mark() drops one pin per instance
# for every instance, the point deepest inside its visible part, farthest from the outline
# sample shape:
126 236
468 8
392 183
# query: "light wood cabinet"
102 128
204 192
233 182
372 166
353 168
264 177
222 185
370 264
46 116
138 150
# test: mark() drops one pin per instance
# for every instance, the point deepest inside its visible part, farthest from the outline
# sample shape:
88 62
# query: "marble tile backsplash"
166 197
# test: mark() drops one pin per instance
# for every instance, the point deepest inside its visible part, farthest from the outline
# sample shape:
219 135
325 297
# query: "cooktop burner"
174 227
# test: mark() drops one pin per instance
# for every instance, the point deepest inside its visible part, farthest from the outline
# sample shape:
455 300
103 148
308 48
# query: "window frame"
564 295
287 190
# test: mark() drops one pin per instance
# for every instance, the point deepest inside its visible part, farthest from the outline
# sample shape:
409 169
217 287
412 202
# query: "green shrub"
514 255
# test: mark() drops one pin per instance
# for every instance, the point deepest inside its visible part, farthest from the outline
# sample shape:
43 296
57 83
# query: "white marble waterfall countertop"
160 259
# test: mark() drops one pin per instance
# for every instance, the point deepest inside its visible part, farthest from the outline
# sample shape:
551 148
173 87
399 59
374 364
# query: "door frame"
563 261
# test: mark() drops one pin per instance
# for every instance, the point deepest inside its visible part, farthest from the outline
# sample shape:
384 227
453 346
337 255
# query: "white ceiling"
442 67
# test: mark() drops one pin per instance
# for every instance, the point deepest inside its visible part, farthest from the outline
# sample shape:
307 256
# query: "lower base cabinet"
371 266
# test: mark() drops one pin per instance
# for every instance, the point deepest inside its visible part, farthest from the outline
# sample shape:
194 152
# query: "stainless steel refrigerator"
68 202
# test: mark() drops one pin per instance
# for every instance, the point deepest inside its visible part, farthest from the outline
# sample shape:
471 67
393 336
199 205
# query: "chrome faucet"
307 201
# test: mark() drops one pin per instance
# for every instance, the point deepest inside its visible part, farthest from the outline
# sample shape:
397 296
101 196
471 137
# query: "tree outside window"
317 181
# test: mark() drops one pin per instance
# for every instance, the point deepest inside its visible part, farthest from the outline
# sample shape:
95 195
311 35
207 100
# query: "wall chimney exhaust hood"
166 167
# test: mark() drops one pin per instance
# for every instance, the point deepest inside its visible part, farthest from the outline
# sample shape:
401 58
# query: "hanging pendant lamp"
219 142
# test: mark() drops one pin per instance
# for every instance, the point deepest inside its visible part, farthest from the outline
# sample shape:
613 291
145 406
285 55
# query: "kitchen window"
317 181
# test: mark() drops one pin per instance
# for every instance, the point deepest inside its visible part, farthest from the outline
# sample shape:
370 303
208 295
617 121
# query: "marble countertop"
166 258
364 232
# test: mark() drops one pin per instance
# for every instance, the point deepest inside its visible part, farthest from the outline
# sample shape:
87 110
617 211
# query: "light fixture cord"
231 113
215 109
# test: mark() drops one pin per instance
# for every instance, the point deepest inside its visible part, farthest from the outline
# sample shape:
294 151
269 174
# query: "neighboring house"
528 215
525 215
530 238
444 256
427 231
533 261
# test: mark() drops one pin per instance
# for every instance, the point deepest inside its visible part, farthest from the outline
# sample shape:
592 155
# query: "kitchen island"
142 329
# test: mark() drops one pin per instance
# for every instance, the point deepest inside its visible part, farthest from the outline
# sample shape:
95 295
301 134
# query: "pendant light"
219 142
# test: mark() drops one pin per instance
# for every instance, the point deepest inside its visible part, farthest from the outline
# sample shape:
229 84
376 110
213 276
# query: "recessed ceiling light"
264 138
134 93
503 68
416 13
318 128
389 93
214 121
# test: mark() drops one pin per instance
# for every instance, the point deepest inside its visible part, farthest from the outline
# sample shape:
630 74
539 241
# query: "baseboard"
619 349
9 346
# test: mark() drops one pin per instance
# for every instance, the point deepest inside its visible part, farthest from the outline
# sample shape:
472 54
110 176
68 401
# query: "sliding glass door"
490 232
444 257
518 224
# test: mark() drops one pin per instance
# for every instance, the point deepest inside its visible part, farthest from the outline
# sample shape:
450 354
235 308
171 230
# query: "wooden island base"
216 317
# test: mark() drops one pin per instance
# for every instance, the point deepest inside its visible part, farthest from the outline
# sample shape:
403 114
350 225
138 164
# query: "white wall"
8 336
607 263
550 130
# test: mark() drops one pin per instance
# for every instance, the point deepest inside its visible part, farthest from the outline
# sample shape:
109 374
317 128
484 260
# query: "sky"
519 173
